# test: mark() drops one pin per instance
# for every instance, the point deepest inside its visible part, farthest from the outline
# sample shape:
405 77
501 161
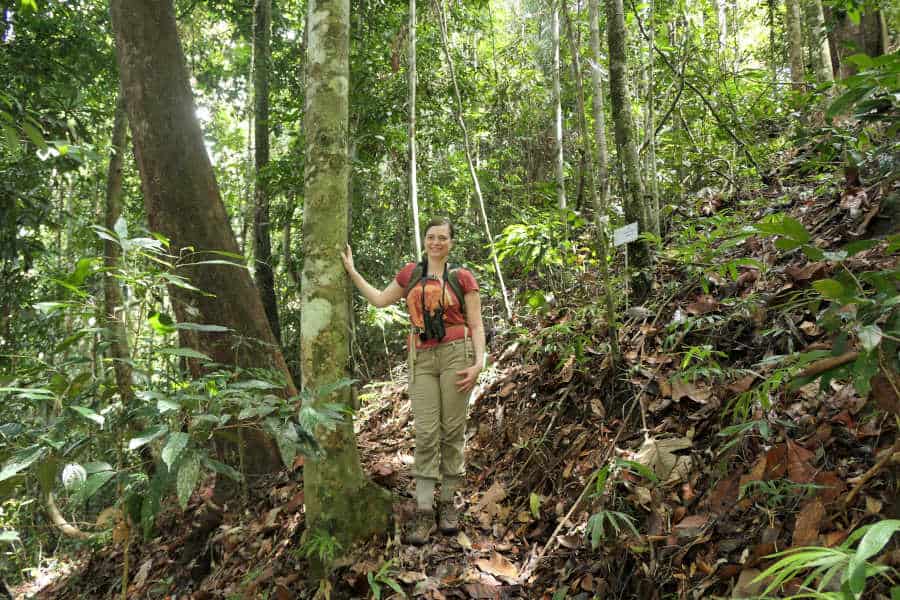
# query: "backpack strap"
414 278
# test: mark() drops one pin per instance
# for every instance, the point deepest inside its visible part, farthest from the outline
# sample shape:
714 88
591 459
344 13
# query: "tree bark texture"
262 241
819 37
620 101
183 202
557 114
339 499
598 108
118 347
795 41
869 36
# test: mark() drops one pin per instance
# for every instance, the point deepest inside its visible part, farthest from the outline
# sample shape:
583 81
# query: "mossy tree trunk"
262 243
339 498
819 39
183 202
620 101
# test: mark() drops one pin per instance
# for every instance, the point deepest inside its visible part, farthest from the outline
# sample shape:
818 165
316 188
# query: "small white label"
624 235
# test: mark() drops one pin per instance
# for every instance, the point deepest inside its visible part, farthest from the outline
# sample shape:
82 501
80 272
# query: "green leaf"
185 352
152 500
147 436
164 405
93 485
830 288
89 414
859 246
9 536
869 337
188 476
535 503
22 460
34 135
176 443
843 102
871 544
285 438
81 272
10 139
161 323
254 384
121 228
222 468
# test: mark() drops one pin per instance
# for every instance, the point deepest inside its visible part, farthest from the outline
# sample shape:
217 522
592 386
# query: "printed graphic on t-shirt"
432 301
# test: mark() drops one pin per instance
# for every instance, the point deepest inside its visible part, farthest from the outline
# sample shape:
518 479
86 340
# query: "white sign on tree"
624 235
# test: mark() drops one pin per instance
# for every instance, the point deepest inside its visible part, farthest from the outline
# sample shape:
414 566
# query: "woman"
446 356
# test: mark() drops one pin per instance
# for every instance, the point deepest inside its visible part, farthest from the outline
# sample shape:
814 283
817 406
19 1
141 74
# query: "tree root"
57 518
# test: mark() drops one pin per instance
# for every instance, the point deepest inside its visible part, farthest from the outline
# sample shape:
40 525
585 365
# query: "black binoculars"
434 325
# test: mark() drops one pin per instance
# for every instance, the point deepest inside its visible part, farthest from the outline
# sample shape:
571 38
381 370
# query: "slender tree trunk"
722 28
557 114
620 100
472 173
795 42
262 241
339 499
600 210
115 313
599 111
655 215
413 183
183 203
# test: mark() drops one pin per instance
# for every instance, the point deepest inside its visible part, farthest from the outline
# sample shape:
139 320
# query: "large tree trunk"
557 114
183 203
115 314
620 100
262 242
869 36
795 41
339 498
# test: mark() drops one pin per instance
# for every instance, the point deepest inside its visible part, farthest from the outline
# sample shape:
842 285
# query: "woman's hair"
438 222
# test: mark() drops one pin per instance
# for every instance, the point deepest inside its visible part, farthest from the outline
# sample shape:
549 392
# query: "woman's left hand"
467 378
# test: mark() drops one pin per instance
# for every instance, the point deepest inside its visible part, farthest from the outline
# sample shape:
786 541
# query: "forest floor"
710 496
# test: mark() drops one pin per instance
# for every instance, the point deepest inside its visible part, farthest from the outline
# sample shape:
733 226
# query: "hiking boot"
449 517
422 528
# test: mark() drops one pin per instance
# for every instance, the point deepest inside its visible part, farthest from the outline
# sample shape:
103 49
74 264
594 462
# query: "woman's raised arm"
379 299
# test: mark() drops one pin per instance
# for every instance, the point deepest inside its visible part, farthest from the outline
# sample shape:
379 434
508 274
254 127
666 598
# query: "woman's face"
438 242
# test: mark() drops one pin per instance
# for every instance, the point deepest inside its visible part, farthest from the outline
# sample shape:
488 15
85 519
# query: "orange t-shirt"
452 310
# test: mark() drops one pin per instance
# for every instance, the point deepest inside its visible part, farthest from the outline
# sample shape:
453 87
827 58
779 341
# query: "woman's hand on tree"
347 258
467 378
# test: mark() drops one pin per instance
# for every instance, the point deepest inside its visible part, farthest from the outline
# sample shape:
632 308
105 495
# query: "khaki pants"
439 409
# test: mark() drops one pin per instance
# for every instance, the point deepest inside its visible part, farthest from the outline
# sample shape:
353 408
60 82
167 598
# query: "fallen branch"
862 480
826 364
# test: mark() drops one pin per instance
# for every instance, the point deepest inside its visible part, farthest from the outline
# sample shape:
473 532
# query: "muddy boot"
422 528
449 517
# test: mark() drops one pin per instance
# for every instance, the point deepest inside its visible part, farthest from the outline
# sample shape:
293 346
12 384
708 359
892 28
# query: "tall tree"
598 108
262 242
412 75
183 202
445 43
114 309
600 209
819 42
620 100
339 498
557 113
794 24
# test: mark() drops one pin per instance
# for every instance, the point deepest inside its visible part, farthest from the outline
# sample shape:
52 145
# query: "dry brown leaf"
799 467
597 407
481 590
806 528
853 200
498 565
411 577
568 370
685 389
463 540
705 303
832 486
142 573
808 272
885 394
659 455
691 527
873 505
741 385
681 471
746 586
